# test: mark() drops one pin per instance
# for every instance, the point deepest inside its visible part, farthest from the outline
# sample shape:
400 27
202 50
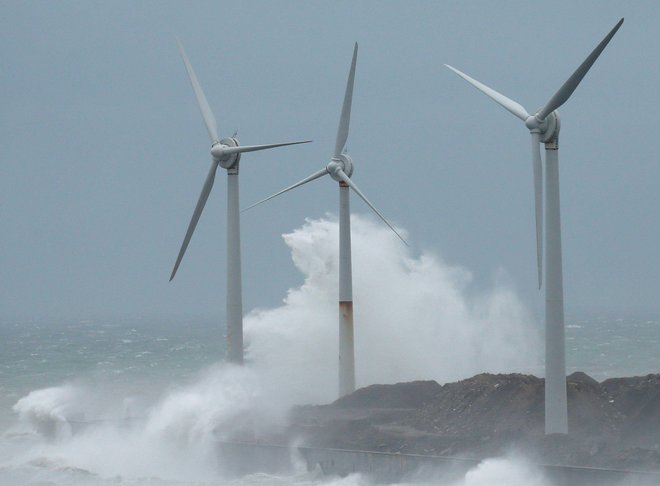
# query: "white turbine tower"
340 168
225 153
544 127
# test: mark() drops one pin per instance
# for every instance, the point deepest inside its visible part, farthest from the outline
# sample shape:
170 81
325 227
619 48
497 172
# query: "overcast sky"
104 151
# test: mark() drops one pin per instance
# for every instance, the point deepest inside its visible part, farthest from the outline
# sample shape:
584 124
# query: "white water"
416 318
507 471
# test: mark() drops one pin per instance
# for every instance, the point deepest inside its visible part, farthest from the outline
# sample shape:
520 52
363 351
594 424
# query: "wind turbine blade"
342 175
316 175
510 105
204 107
254 148
538 201
345 119
569 86
201 202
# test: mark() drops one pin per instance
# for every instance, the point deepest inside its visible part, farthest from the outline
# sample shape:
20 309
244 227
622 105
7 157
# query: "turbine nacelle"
547 128
342 163
222 156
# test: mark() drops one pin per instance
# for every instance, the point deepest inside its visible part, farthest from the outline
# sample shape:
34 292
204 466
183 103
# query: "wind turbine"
544 127
340 168
225 153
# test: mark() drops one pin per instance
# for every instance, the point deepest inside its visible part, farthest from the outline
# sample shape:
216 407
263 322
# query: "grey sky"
104 151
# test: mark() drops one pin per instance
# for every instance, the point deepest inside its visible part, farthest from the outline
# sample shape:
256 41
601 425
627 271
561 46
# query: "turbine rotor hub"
226 161
548 128
343 163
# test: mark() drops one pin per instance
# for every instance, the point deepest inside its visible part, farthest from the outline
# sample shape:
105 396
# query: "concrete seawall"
245 457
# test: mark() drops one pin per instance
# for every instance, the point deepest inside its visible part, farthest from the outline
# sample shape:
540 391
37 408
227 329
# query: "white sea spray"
416 317
50 410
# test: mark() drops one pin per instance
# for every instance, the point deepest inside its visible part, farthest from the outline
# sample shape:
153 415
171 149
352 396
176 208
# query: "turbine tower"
340 168
544 127
225 153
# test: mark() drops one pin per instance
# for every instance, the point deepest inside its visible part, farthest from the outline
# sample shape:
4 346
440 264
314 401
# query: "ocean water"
142 401
147 357
613 346
106 371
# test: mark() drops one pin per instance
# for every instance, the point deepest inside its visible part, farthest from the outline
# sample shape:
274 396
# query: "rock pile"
615 423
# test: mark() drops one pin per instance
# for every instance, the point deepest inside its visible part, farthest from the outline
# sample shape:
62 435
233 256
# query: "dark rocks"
612 424
484 406
402 395
638 400
581 377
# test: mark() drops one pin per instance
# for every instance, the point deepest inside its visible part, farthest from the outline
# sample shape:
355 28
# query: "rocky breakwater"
612 424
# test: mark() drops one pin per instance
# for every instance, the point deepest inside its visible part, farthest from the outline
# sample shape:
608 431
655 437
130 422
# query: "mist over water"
416 317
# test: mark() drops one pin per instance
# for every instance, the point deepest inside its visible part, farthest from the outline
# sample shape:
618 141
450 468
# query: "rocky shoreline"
612 424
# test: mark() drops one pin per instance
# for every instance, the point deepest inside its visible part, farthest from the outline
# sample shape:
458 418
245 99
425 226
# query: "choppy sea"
103 370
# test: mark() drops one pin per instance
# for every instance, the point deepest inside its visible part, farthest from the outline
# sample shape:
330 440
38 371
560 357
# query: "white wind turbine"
225 153
340 168
544 127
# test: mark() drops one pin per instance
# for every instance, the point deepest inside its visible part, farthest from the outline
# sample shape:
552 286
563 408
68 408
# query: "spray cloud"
414 320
